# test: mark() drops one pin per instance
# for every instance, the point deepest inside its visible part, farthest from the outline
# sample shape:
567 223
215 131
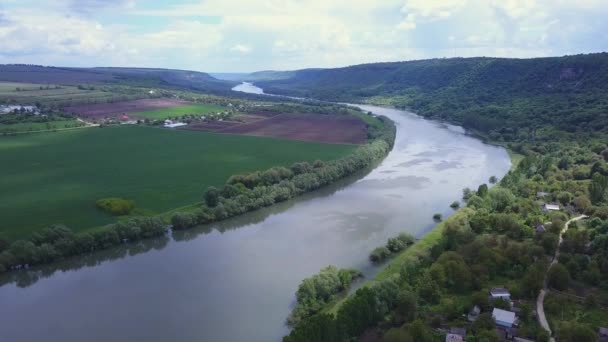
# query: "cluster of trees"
116 206
495 240
248 192
315 292
393 246
59 241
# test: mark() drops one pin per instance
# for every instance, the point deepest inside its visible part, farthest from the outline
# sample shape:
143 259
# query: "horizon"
288 70
241 37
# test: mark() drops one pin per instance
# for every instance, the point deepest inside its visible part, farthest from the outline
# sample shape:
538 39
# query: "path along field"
57 177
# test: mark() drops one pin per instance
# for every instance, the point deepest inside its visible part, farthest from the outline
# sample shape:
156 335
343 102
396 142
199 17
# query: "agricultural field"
57 177
193 109
337 129
103 110
50 94
39 126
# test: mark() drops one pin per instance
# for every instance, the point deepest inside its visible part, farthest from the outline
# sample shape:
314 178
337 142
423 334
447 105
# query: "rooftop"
503 316
453 338
499 292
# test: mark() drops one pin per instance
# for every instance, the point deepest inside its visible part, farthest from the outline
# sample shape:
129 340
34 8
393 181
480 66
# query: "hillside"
132 76
497 96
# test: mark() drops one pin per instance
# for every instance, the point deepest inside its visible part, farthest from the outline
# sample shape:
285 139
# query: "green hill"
498 96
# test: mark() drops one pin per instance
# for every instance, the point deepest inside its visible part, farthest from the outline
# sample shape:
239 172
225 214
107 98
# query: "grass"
199 109
38 126
515 158
569 310
57 177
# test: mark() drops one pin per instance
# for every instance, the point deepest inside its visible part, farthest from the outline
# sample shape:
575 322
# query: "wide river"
235 281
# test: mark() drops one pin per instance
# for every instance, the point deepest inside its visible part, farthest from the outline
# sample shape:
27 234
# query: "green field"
38 126
161 114
57 177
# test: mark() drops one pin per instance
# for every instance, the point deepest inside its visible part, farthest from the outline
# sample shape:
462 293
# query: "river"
235 280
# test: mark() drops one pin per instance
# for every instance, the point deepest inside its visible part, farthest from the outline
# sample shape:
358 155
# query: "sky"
252 35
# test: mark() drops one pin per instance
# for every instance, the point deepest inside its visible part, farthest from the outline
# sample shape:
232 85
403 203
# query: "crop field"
57 177
309 127
39 126
103 110
195 109
30 93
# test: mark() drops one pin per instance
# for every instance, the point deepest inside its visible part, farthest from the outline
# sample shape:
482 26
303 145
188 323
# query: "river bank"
193 285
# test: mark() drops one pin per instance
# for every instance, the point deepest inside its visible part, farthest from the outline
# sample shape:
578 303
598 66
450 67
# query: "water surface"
235 281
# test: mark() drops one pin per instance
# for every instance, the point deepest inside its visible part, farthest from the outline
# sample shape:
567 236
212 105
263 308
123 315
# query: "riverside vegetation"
240 194
552 112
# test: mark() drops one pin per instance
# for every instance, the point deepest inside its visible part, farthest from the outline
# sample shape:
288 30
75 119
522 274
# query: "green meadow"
50 178
198 109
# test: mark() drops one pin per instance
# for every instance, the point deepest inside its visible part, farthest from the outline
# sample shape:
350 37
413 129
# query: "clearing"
57 177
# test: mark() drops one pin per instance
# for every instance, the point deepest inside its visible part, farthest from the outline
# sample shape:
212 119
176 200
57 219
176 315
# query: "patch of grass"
52 178
515 158
560 309
39 126
199 109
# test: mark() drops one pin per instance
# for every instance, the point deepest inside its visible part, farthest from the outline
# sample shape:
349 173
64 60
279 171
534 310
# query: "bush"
455 205
437 217
116 206
379 254
558 277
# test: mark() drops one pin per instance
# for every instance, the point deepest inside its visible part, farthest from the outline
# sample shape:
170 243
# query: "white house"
503 318
500 293
550 207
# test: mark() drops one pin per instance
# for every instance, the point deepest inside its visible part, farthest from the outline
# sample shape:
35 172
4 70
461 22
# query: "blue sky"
242 36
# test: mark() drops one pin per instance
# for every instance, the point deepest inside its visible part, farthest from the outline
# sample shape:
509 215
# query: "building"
519 339
602 335
540 228
175 124
550 207
503 318
542 194
456 335
500 293
474 313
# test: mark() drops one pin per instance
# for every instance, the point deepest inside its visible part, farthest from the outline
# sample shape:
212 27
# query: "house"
500 293
453 338
503 318
456 335
175 124
519 339
542 194
602 335
550 207
474 313
540 228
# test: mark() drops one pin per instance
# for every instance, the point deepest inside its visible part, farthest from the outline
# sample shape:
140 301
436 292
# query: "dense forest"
503 99
552 111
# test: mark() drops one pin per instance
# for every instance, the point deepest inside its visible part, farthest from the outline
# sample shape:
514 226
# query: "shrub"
116 206
379 254
437 217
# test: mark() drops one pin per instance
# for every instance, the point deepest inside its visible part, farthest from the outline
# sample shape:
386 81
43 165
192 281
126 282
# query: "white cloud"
292 34
240 48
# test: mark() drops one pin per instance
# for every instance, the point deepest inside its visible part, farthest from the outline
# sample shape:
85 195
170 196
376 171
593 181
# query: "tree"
493 180
582 203
420 332
482 190
211 196
455 205
485 321
558 277
407 304
576 332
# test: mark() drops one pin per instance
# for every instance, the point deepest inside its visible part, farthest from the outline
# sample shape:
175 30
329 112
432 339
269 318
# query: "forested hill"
497 96
149 77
